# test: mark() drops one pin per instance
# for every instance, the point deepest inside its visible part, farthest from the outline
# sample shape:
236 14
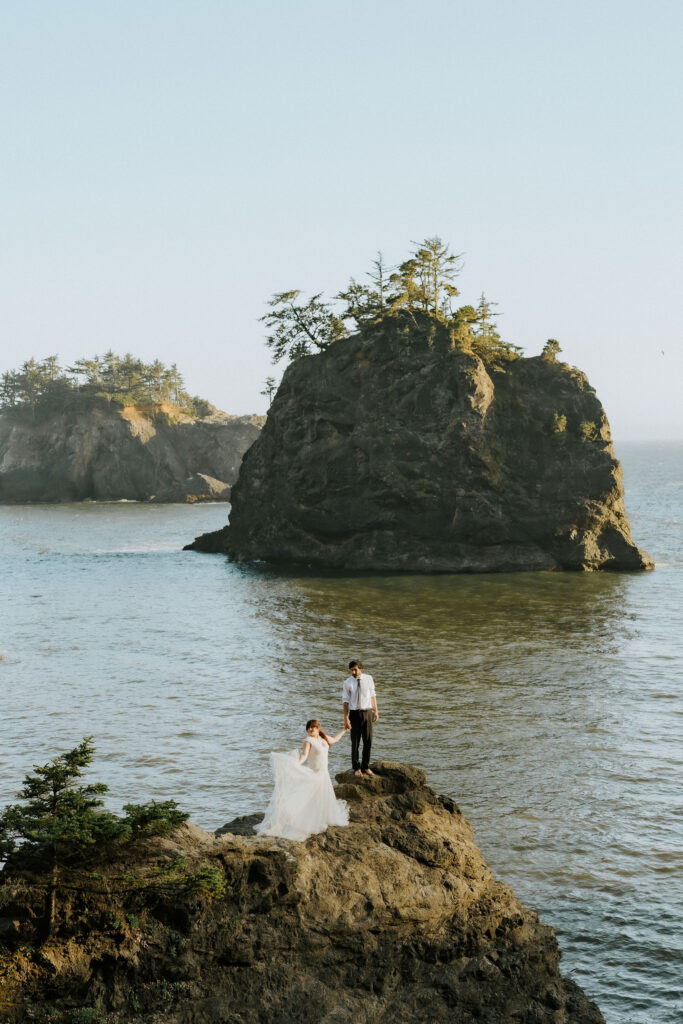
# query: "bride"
303 800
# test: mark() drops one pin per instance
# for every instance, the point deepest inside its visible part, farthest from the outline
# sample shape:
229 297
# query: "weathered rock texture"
395 452
391 920
104 452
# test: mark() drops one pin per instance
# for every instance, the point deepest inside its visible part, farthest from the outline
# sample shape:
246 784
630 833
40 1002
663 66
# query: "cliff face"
105 452
391 920
392 452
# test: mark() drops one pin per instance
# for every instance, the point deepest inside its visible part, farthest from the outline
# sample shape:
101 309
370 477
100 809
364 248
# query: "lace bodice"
317 756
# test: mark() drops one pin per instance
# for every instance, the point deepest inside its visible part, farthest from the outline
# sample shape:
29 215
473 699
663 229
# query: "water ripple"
548 705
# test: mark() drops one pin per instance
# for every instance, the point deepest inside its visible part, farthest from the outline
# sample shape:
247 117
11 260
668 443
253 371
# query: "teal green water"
548 705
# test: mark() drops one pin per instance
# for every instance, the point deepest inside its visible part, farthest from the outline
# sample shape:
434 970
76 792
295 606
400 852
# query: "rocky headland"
391 920
101 450
394 449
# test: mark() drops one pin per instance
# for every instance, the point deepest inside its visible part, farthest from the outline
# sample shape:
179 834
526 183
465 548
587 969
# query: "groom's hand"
347 724
375 716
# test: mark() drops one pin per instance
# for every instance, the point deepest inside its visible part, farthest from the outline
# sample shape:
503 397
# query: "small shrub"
207 883
83 1015
169 868
159 819
551 350
588 430
133 921
176 942
559 423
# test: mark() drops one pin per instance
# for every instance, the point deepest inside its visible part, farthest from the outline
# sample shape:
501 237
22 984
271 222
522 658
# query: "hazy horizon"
168 166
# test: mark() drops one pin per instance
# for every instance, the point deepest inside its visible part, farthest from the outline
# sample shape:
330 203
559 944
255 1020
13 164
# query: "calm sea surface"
548 705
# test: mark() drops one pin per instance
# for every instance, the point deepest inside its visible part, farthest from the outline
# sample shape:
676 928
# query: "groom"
360 714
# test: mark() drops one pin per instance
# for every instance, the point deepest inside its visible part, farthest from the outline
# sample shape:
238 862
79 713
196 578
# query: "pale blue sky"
168 164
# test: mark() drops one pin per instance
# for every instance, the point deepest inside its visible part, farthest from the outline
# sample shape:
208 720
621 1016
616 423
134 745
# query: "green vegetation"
83 1015
559 423
299 328
159 819
207 883
44 387
269 389
551 350
60 820
588 430
420 292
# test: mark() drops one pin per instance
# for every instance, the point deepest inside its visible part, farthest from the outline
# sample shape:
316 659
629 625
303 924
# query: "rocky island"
114 429
408 447
393 919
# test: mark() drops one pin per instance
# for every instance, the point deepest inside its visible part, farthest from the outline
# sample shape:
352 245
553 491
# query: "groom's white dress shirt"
350 692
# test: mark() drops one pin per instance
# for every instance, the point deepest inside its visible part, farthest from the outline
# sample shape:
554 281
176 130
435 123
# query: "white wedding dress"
303 800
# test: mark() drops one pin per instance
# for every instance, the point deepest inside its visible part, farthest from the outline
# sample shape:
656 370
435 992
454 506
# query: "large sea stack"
395 450
100 450
395 919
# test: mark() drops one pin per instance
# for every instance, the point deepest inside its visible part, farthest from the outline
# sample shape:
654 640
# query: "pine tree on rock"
59 818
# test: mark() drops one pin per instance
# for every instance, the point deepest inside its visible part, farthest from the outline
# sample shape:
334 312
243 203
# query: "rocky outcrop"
100 451
394 451
391 920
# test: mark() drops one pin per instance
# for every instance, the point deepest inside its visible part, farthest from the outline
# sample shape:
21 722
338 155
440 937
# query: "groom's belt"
361 709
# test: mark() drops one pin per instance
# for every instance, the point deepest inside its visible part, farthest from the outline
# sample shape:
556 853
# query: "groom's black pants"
361 729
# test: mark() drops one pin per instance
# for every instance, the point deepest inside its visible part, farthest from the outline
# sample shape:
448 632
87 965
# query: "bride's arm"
335 739
305 750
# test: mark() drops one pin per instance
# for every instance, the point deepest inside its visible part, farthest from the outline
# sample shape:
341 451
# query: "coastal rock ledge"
393 450
392 920
100 451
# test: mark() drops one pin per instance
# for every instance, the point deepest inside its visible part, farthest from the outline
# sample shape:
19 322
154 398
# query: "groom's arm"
346 696
373 700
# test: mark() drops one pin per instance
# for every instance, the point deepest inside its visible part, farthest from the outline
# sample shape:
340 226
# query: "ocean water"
548 705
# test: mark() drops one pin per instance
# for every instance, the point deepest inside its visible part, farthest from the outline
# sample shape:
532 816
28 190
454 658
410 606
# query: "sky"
167 165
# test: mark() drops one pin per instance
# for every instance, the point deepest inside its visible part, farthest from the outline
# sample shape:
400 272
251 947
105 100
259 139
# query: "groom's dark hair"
354 664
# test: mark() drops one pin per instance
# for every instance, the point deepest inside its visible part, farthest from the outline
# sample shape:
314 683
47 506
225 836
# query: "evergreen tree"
424 282
299 328
111 378
380 276
462 324
9 389
59 817
360 305
269 389
153 380
366 304
45 385
551 350
90 369
154 818
486 341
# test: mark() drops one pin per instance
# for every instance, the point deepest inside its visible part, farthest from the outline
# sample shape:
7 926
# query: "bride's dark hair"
313 722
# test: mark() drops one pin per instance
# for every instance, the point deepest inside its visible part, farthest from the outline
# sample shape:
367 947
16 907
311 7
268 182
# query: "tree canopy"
297 328
421 289
44 384
59 818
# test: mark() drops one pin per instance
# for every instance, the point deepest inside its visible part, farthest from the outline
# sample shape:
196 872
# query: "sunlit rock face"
395 451
108 453
393 919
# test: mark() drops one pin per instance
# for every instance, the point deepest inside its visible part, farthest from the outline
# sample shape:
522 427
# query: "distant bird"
662 351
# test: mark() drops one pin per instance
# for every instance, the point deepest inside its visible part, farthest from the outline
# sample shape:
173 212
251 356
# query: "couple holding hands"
303 800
